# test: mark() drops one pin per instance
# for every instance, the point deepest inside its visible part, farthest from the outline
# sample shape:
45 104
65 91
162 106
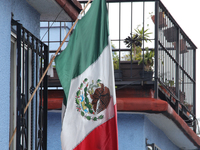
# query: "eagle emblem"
91 99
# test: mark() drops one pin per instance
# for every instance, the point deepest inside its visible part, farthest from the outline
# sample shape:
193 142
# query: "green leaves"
77 101
84 106
98 81
86 100
100 117
85 80
82 113
88 117
81 85
137 37
148 59
91 111
145 33
95 118
78 93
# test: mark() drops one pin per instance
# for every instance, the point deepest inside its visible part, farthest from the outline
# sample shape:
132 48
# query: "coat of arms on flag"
92 98
86 73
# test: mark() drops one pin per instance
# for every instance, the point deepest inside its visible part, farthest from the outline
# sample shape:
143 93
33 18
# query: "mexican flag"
85 70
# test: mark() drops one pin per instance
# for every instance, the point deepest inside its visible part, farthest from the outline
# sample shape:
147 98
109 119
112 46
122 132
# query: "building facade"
155 112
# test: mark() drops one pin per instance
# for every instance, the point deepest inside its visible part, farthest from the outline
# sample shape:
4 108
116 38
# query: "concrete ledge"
164 117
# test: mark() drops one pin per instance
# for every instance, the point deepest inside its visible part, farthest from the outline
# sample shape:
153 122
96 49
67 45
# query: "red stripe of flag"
104 137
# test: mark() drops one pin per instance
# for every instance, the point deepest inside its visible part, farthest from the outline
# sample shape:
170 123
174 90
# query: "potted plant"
135 42
148 60
130 67
170 85
189 106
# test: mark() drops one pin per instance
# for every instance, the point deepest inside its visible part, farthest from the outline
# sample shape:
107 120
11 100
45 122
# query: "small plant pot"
146 75
170 34
181 94
162 20
130 71
183 48
190 107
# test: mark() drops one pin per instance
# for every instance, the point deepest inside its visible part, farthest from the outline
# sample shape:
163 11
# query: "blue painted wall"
30 20
155 135
27 16
131 132
133 129
5 15
54 130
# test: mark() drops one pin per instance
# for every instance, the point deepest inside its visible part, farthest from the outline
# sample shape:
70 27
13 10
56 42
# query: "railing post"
45 97
177 69
156 48
18 134
194 88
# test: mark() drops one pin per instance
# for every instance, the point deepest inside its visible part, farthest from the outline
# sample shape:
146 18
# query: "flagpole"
27 105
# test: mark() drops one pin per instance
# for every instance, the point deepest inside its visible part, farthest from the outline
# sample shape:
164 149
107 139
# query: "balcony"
162 60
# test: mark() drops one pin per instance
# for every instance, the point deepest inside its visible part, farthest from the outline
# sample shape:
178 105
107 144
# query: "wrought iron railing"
176 66
32 55
152 146
174 62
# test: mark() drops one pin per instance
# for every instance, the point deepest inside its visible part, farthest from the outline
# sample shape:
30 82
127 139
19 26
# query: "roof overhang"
162 115
61 10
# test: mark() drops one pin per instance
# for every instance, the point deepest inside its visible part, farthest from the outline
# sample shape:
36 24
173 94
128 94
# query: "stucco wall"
27 16
4 71
133 129
54 130
30 20
131 132
155 135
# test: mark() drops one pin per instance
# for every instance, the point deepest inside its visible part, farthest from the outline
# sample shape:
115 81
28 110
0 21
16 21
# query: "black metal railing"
32 55
174 63
152 146
176 66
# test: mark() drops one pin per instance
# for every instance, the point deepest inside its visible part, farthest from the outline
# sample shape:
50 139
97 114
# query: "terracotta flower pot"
183 48
162 20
